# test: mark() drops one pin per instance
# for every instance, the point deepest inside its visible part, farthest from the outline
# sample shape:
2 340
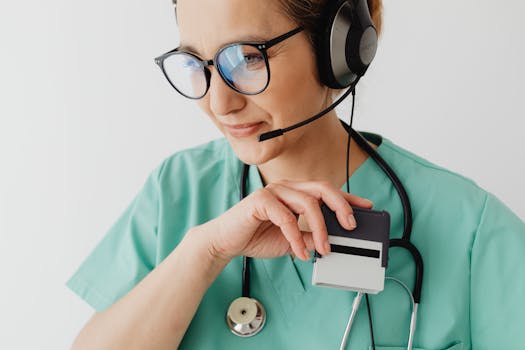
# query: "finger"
309 240
334 198
270 208
357 201
303 203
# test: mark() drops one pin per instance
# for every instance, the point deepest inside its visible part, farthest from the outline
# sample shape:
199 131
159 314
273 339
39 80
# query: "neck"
320 154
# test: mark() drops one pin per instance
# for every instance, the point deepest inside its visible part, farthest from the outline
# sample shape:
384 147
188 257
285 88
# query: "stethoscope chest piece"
245 317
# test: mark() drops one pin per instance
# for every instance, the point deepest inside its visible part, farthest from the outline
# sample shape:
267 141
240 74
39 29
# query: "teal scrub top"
473 293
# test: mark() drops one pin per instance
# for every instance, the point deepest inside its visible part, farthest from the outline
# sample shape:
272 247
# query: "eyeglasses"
243 66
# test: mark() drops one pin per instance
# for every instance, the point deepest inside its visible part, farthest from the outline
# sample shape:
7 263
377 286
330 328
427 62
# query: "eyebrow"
249 38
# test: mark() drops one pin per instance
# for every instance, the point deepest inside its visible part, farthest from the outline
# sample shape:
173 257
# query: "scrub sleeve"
125 255
498 279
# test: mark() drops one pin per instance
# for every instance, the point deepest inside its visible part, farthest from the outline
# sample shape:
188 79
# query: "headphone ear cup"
346 43
323 50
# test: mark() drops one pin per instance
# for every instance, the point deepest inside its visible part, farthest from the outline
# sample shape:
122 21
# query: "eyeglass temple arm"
283 37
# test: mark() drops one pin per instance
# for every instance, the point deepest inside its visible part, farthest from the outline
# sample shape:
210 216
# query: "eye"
253 58
254 61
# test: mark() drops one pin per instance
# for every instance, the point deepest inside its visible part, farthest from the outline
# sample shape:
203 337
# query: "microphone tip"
270 135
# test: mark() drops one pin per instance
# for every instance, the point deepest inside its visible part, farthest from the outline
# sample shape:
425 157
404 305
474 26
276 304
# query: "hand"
264 224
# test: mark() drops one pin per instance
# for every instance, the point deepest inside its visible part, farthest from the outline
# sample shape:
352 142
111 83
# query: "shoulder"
435 189
413 165
210 159
212 152
424 176
439 197
199 183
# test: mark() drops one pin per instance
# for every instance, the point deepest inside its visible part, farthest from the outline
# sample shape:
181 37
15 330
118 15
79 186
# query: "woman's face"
293 94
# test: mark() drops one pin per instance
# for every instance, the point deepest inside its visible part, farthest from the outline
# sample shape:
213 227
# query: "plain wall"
85 116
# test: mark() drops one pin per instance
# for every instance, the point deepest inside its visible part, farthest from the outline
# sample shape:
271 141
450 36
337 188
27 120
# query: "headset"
346 43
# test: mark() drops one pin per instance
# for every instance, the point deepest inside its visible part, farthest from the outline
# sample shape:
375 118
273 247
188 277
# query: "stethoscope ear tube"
418 260
403 242
413 317
403 196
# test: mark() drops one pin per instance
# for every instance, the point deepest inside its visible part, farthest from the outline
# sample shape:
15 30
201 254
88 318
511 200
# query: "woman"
165 274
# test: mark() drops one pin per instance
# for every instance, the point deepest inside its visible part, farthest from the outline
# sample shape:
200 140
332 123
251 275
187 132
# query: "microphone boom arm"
278 132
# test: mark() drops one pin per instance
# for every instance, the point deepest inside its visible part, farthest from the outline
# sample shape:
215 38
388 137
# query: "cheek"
204 104
294 92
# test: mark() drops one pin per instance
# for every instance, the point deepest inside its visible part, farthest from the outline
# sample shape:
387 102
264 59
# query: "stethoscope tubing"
245 259
403 242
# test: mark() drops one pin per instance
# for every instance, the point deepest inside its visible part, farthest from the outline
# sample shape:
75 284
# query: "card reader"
358 258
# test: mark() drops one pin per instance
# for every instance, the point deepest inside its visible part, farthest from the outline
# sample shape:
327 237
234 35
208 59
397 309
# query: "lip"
242 130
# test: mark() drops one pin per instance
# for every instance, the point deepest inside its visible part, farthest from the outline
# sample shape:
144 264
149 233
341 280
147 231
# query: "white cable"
413 321
355 306
413 318
357 302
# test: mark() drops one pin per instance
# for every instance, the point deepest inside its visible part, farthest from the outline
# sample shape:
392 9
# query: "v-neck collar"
288 277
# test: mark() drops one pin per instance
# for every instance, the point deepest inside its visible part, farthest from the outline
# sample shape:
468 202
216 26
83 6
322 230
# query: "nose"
223 99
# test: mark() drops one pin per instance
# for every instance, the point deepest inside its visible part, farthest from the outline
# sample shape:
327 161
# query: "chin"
251 151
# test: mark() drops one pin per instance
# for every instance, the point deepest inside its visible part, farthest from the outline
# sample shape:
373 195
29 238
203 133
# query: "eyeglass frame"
261 46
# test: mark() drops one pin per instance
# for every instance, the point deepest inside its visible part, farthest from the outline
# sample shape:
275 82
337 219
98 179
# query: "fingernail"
327 247
306 254
351 221
369 202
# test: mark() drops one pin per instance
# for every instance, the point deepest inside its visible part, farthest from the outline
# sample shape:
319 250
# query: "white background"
85 115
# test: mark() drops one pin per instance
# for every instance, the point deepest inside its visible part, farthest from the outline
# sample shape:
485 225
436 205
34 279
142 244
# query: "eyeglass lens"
242 67
186 74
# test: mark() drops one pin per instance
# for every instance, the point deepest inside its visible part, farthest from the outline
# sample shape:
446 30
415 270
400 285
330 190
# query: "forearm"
157 312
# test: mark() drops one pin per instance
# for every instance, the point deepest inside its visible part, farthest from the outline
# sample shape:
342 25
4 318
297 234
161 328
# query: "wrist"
201 238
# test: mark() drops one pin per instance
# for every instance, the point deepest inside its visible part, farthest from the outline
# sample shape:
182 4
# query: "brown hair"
307 13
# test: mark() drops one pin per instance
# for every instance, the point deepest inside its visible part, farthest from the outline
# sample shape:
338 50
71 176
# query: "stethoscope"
246 316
